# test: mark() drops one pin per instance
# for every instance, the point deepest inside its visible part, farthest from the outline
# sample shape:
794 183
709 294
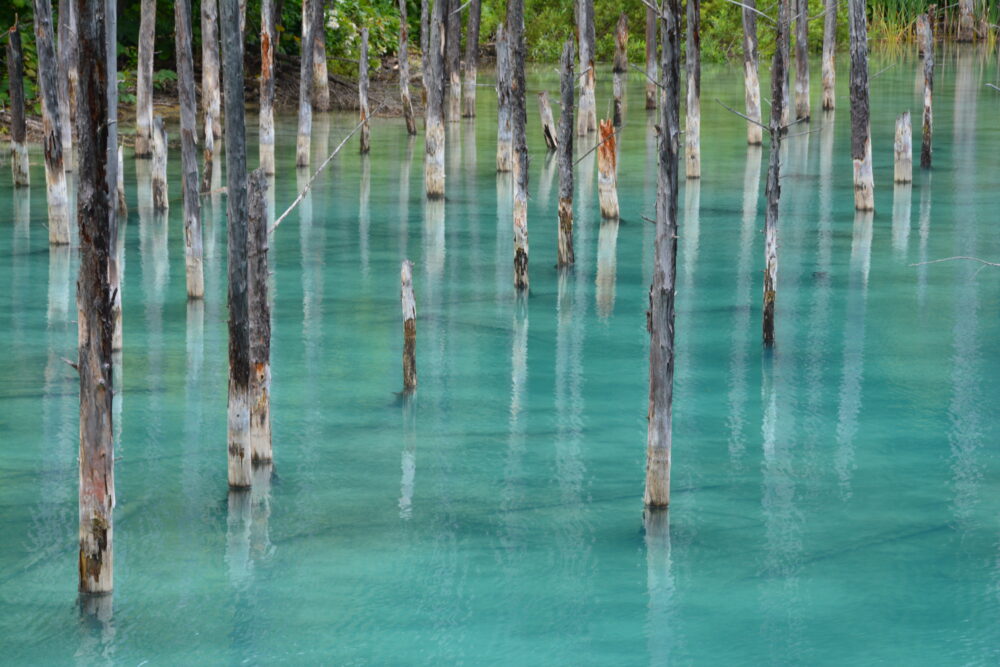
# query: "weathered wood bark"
651 68
144 81
425 38
118 258
15 76
920 30
95 217
471 59
566 256
116 189
928 119
802 110
692 122
903 149
409 305
586 119
320 77
966 25
236 210
661 294
211 97
189 151
751 83
55 176
268 35
260 320
861 145
620 69
830 55
607 170
548 123
161 200
404 70
66 48
363 92
208 154
453 64
518 124
434 117
303 142
122 203
504 141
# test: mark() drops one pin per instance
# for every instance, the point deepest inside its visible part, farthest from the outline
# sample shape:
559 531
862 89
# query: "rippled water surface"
835 502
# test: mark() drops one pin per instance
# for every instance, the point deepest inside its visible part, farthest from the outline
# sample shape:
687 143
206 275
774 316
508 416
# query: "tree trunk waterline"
566 256
95 216
651 69
303 141
363 92
15 72
661 294
409 306
928 118
966 26
238 436
434 116
195 277
161 201
861 146
320 77
518 116
903 149
751 82
549 132
268 35
802 110
830 55
55 175
607 170
404 70
211 98
586 120
260 319
471 59
504 141
453 64
692 122
66 50
144 81
620 69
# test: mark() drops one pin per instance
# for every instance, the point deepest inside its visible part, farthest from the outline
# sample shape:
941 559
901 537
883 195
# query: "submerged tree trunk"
661 294
189 151
66 49
802 110
95 218
692 125
409 306
236 211
651 69
966 26
363 92
586 120
607 170
161 201
471 59
504 142
303 142
55 176
211 99
268 35
518 117
566 255
861 145
15 75
453 64
260 320
903 149
144 81
434 123
829 55
320 77
620 68
751 83
404 70
928 119
548 123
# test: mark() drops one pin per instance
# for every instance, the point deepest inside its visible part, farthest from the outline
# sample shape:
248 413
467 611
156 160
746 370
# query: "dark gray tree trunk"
515 31
363 92
189 151
504 142
751 82
566 255
260 320
453 63
404 70
692 122
802 110
651 68
620 69
144 81
434 123
471 59
928 119
55 175
15 76
268 35
861 146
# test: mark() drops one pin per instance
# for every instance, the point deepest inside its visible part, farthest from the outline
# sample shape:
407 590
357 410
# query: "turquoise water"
835 502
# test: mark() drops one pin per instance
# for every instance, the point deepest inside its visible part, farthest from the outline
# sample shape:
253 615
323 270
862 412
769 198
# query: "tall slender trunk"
144 81
189 151
268 35
118 211
66 48
211 98
363 92
567 82
586 120
548 123
434 124
751 83
15 75
404 70
661 294
861 145
829 55
692 122
966 25
504 142
55 175
425 40
260 319
620 68
453 64
320 78
928 119
236 211
802 110
518 125
95 219
303 142
471 59
409 306
651 69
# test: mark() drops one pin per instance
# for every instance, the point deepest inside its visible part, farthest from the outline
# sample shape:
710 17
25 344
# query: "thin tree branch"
599 144
990 85
648 78
743 116
753 9
462 7
882 71
949 259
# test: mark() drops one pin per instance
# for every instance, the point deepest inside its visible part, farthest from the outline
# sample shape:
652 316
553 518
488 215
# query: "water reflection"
59 285
239 566
21 206
320 138
549 170
901 206
661 588
434 237
409 459
261 547
97 630
690 232
503 260
364 213
405 166
607 257
925 233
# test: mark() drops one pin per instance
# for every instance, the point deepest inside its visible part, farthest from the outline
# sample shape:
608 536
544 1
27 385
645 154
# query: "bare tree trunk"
260 320
548 123
189 151
453 65
620 68
504 141
363 92
861 145
161 201
321 81
566 255
651 69
209 155
268 35
607 170
802 110
404 70
144 81
66 48
966 26
518 117
928 119
15 75
772 191
95 219
586 120
692 122
211 98
903 149
434 131
425 40
829 55
303 142
118 210
750 81
236 210
122 203
55 176
661 294
409 305
471 59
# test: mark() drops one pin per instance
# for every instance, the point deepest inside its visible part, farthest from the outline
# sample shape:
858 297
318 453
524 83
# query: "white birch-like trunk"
903 149
692 122
830 55
211 97
303 141
159 175
751 82
321 79
586 119
144 81
504 142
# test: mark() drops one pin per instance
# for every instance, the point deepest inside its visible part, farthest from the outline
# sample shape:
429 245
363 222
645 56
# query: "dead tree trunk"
66 48
772 191
802 110
15 75
620 68
518 116
236 210
903 149
409 305
320 78
95 217
586 120
260 320
651 69
692 124
144 81
607 170
55 176
161 200
661 294
751 83
861 145
363 92
453 64
434 123
268 34
211 98
189 151
504 142
928 120
548 123
404 70
120 177
829 55
966 27
116 181
566 255
303 142
425 39
471 59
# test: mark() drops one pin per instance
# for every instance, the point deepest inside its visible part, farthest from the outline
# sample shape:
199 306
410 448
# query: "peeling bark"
211 98
161 200
802 110
607 170
268 35
409 306
751 83
928 118
504 141
363 92
434 122
404 70
566 255
320 77
620 69
651 68
55 176
692 124
772 191
260 320
518 117
829 55
144 81
195 277
586 119
861 148
471 59
903 149
15 76
548 123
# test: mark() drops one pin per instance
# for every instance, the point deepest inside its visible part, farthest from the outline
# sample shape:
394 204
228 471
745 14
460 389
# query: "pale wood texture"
566 256
363 93
193 254
903 149
802 107
620 69
268 35
434 118
144 80
830 55
161 200
303 141
260 319
211 97
452 60
320 76
651 66
607 170
471 59
692 122
586 119
751 82
549 132
504 141
926 150
404 70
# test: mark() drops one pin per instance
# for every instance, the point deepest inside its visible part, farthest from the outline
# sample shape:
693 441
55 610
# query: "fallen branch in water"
949 259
